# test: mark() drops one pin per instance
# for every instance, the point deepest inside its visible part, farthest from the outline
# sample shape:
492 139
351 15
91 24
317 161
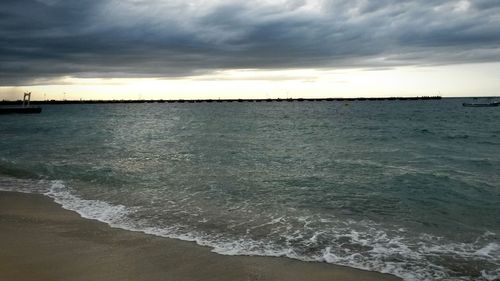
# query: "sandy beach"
41 241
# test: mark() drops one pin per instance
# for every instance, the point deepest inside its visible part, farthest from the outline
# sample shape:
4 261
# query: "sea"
410 188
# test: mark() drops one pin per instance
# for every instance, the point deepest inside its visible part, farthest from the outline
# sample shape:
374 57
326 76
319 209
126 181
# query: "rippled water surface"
406 187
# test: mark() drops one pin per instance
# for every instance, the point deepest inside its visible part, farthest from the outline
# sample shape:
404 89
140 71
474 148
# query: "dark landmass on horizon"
19 102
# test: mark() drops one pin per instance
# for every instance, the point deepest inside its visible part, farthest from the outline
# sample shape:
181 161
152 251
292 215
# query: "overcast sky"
103 46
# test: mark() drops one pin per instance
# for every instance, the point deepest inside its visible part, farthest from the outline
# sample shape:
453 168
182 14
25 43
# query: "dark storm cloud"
47 39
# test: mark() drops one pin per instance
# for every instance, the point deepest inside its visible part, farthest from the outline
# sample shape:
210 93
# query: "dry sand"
41 241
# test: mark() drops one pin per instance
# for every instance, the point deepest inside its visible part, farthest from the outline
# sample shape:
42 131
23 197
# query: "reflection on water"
406 187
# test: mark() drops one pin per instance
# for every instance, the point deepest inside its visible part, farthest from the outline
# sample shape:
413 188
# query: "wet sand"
40 241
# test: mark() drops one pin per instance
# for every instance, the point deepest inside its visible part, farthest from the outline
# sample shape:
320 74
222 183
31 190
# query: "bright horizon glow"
481 79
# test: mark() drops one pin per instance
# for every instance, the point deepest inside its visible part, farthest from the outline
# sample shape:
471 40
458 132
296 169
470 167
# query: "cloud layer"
46 39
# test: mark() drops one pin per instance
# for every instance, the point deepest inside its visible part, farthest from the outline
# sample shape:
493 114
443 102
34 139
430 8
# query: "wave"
13 169
370 249
114 215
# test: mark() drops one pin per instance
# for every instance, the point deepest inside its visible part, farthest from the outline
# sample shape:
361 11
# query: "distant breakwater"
17 102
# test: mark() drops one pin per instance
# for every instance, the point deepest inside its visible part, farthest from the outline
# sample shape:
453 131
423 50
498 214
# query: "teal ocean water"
405 187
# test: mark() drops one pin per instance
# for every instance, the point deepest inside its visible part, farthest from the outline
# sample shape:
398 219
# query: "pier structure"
220 100
14 108
26 99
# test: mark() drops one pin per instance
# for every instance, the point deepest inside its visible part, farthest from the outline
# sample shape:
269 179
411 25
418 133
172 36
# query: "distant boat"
26 108
491 104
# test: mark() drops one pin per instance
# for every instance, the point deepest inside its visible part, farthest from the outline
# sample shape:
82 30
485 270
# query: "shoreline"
42 241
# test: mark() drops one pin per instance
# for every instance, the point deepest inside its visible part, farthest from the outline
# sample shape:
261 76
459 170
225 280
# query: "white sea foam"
491 250
114 215
411 265
491 276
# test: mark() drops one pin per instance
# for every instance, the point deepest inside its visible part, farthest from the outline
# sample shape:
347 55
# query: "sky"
182 49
